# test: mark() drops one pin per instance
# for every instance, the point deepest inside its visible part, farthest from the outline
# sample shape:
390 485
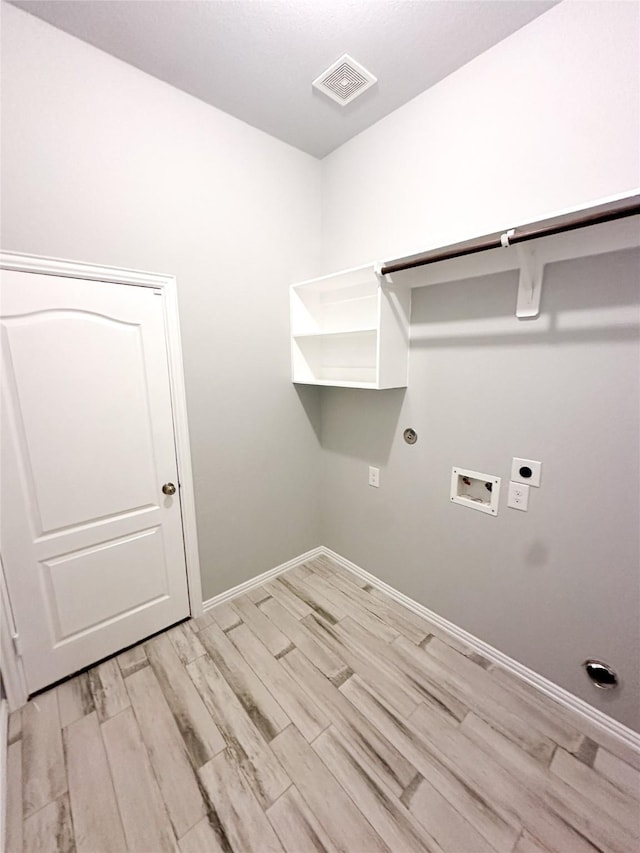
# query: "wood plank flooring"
312 714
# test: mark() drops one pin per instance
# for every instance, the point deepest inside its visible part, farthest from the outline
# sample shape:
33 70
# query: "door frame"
10 664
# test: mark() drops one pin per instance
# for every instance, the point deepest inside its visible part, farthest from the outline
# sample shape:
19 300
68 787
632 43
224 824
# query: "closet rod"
544 228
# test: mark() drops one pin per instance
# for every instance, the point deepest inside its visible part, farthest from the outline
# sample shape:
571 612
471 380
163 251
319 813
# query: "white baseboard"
602 722
235 591
597 718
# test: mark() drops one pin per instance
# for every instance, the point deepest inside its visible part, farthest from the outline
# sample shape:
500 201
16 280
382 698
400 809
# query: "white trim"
235 591
183 450
573 703
4 750
77 269
11 670
166 283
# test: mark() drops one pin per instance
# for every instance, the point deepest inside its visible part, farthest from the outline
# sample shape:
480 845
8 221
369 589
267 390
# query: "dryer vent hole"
601 674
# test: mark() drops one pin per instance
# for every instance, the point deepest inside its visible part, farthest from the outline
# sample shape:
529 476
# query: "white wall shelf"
531 257
350 331
336 334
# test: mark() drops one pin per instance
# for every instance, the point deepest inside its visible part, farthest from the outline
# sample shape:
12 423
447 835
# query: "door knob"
169 489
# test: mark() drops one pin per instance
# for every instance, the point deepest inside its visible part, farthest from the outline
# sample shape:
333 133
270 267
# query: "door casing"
10 664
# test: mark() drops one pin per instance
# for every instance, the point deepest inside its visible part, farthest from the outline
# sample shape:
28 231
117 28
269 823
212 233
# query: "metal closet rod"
544 228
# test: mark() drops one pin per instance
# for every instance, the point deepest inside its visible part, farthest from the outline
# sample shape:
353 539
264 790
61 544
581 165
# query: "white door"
92 549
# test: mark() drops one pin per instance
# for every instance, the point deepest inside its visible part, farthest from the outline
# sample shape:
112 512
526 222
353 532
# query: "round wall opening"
410 435
601 674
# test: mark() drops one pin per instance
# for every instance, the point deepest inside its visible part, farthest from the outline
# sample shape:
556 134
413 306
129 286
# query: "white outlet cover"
518 496
536 471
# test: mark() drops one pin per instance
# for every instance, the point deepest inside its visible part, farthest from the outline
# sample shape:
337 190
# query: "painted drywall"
102 163
105 164
545 120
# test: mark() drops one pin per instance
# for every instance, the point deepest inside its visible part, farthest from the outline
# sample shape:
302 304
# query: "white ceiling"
256 59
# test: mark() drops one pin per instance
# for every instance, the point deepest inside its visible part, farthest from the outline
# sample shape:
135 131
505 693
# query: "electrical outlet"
374 476
518 497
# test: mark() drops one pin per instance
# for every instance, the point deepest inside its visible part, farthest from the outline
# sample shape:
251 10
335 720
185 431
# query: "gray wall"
559 583
102 163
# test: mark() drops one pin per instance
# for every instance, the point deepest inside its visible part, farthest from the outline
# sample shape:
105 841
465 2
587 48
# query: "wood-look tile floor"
313 713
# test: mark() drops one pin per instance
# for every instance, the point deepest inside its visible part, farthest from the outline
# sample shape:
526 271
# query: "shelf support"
529 283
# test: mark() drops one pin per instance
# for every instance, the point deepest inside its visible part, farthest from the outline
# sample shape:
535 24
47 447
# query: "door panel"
86 588
119 417
93 551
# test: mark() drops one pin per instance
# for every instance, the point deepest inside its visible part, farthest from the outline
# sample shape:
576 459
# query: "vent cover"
344 80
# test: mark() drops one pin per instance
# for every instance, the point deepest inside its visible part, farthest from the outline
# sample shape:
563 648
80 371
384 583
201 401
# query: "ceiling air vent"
344 80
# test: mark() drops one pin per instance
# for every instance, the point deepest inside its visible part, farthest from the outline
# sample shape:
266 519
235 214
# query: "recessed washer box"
475 490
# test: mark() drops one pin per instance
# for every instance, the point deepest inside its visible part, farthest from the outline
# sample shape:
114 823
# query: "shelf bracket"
530 282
